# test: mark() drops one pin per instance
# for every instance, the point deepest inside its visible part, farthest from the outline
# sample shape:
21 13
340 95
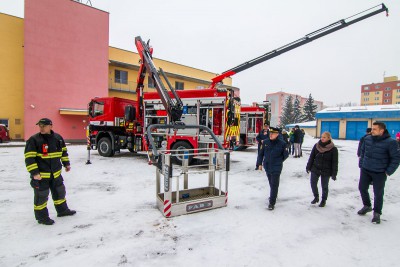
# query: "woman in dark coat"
323 162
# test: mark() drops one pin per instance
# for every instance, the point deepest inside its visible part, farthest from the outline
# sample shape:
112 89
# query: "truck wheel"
180 147
104 147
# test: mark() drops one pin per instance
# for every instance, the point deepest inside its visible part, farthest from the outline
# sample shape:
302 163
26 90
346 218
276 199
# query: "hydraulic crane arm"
174 107
302 41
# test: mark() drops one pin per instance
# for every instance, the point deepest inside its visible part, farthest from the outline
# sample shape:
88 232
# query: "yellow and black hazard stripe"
40 207
47 175
232 129
59 201
31 167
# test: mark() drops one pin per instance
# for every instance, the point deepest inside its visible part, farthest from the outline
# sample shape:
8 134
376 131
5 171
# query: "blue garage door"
355 129
332 127
393 127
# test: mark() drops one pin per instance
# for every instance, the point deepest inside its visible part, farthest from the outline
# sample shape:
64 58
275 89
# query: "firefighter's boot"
46 221
66 212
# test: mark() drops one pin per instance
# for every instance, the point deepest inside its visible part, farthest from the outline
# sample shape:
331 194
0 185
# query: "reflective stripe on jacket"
46 154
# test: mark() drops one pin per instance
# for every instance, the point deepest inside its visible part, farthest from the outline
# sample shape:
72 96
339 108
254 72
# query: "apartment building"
385 93
277 101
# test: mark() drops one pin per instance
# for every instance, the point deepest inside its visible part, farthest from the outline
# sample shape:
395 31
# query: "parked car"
4 134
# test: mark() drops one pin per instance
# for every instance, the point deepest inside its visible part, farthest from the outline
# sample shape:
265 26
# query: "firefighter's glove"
334 178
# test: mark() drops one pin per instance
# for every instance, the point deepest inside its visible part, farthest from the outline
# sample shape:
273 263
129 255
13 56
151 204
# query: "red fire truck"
252 120
113 125
119 123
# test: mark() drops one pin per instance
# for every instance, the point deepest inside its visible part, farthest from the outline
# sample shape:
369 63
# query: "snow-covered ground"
118 224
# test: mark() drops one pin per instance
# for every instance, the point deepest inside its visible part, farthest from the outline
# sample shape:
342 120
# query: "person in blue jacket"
380 157
275 153
262 135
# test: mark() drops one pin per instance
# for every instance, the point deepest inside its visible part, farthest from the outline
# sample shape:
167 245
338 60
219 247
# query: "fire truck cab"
112 125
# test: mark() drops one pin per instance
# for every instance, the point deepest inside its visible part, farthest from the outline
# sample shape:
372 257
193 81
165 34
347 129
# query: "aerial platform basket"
208 185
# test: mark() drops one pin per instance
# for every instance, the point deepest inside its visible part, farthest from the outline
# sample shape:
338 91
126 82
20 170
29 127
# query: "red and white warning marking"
167 208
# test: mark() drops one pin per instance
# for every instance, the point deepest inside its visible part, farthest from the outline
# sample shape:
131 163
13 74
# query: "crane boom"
174 107
302 41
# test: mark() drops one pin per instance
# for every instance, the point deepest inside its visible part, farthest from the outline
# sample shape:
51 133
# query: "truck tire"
104 147
181 146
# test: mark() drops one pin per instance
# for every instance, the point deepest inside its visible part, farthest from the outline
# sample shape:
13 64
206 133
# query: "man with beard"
380 157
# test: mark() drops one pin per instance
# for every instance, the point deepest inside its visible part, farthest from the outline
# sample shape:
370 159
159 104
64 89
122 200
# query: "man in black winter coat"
298 136
45 155
275 153
380 157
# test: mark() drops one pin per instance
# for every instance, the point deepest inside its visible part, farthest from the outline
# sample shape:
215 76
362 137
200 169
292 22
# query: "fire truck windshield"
96 109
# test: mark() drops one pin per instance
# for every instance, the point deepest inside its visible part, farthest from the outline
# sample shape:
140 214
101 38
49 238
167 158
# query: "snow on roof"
303 124
361 108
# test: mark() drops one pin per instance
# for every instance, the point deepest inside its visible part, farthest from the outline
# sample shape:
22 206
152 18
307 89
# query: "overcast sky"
216 35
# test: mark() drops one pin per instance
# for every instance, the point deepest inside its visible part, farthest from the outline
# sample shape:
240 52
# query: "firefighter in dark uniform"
45 155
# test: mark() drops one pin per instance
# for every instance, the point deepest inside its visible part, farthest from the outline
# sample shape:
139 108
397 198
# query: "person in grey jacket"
380 157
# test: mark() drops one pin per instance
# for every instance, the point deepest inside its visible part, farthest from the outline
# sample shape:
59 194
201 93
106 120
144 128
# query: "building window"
386 101
397 102
388 89
387 94
179 85
366 99
398 90
367 93
377 87
121 76
376 98
366 88
398 96
377 93
17 121
150 82
398 84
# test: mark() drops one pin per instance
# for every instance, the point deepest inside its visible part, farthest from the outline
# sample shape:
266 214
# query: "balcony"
127 87
124 86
